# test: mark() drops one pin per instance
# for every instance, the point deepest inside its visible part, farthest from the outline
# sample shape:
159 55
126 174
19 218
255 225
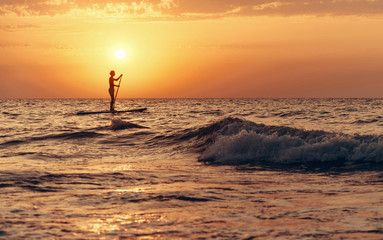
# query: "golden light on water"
128 222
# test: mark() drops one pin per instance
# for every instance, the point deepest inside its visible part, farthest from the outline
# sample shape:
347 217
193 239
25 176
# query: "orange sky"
191 48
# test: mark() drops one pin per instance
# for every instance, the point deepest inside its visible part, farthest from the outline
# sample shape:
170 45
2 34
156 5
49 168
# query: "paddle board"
125 111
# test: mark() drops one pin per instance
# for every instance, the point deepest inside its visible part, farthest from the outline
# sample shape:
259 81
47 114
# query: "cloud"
89 7
12 28
281 8
188 9
34 7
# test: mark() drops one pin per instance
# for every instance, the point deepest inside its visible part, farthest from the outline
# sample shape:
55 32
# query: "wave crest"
243 142
117 123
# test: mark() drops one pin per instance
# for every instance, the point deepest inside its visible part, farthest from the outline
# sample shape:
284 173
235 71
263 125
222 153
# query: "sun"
121 53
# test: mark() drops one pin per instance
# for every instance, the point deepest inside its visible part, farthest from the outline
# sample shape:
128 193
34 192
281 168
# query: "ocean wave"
117 123
366 121
291 114
234 141
63 136
163 198
11 114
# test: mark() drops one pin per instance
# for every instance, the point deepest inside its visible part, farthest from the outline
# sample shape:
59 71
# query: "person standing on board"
111 88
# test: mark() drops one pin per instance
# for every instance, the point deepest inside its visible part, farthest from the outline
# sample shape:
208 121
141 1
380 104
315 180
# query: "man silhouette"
111 88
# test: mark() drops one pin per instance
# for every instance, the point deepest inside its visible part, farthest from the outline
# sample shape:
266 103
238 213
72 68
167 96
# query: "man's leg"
112 105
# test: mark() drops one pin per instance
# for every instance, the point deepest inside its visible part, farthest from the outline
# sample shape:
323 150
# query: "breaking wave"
234 141
117 123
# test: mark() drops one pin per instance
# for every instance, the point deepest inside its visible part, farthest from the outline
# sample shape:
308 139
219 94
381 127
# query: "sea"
192 169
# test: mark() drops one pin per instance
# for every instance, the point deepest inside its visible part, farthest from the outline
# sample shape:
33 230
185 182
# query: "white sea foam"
117 123
254 143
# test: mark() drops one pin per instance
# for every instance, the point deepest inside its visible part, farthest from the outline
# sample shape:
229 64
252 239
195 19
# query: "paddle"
118 88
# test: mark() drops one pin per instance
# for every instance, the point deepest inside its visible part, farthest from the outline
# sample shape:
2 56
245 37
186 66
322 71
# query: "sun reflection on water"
136 189
128 223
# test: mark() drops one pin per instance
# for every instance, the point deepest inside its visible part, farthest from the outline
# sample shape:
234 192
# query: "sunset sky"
191 48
